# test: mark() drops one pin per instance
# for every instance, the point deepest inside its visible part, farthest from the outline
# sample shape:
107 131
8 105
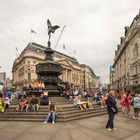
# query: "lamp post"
84 79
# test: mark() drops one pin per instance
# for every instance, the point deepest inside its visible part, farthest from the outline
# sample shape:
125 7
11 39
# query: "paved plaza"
85 129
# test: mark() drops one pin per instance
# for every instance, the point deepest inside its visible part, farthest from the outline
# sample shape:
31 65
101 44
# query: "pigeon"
51 29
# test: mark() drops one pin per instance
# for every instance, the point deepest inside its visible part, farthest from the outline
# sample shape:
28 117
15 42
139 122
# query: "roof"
37 47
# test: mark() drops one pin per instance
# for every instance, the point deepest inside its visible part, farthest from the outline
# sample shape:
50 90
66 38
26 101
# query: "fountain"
48 72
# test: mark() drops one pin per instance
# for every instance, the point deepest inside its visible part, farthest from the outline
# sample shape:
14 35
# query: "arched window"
29 76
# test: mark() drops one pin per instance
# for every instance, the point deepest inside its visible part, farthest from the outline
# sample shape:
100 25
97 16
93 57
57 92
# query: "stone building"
127 58
24 68
2 76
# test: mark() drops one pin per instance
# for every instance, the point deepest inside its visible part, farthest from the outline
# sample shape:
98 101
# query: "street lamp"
84 79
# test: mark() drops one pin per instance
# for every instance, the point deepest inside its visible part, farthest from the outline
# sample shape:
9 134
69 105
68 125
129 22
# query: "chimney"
126 30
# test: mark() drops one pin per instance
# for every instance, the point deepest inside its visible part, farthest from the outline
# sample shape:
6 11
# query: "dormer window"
136 51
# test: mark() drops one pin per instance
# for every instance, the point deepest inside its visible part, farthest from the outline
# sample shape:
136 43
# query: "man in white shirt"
6 103
76 93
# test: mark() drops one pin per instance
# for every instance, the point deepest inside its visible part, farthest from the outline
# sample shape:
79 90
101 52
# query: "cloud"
93 28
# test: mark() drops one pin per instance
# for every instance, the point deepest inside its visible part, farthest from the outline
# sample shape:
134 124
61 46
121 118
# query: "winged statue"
51 29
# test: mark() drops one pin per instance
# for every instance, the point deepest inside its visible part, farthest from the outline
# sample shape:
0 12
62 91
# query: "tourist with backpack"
136 105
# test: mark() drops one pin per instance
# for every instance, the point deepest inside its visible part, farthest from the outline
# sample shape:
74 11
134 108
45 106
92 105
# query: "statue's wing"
49 23
56 27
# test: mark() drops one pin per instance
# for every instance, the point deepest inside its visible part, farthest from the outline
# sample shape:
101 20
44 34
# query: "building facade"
24 68
2 76
127 59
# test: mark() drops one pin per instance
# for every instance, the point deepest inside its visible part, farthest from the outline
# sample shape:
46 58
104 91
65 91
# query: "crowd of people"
83 99
22 102
129 101
113 101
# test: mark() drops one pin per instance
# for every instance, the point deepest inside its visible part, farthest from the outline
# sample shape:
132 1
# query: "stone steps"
59 119
66 112
60 108
44 112
84 116
54 100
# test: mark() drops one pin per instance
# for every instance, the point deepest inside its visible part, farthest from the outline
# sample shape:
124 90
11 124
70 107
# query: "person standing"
9 94
128 102
136 104
112 110
122 101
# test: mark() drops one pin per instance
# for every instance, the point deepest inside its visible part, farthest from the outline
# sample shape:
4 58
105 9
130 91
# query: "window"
29 76
136 51
136 68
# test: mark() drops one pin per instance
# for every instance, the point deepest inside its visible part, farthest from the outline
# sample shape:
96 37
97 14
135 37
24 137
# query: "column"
66 76
71 76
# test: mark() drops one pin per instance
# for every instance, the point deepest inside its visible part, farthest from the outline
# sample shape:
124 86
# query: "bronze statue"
51 29
49 72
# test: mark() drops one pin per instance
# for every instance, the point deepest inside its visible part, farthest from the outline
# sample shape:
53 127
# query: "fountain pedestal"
48 72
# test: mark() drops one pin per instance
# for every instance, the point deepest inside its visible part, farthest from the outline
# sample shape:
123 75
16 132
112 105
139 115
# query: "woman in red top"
24 103
128 103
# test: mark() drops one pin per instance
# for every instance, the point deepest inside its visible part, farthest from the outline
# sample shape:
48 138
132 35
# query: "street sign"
111 69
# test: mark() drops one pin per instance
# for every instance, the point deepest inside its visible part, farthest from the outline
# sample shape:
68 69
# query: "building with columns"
127 58
24 68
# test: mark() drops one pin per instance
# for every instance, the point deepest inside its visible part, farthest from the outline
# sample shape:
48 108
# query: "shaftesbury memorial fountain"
48 72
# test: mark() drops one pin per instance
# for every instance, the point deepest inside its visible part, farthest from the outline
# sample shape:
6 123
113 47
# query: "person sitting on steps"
6 103
22 103
25 104
44 99
52 114
34 104
78 103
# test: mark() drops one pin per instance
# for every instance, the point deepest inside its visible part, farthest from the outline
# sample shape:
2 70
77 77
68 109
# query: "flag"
32 31
64 46
16 49
74 52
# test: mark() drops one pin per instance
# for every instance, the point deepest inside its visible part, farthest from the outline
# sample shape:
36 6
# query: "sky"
93 29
